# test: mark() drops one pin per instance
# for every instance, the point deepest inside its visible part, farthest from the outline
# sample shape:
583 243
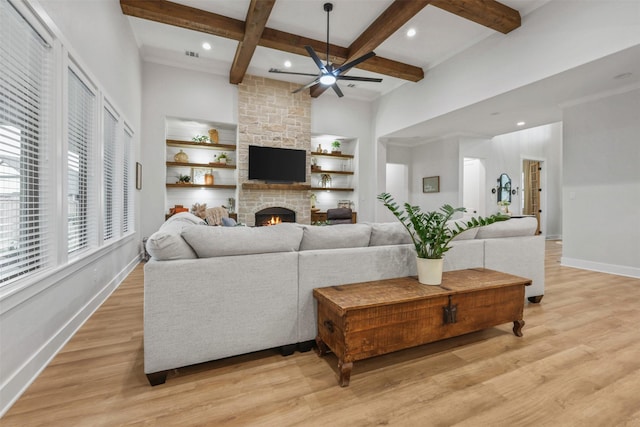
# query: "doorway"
532 189
473 187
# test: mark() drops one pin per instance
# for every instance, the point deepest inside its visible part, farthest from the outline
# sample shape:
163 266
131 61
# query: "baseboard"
15 386
618 270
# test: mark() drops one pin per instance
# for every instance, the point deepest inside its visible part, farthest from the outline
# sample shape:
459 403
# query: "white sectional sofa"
215 292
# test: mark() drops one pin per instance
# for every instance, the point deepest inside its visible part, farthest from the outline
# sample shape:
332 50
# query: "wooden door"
533 189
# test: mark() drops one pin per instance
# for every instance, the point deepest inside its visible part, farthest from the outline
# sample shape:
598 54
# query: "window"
81 137
109 175
25 242
127 206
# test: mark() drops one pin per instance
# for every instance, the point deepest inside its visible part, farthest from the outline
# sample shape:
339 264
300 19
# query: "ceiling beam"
187 17
190 18
385 25
257 17
489 13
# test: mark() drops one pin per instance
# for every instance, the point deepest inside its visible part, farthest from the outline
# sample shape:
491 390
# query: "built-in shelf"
202 165
200 186
332 172
331 189
207 145
291 187
340 156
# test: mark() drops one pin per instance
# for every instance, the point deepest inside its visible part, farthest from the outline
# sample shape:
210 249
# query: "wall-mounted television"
284 165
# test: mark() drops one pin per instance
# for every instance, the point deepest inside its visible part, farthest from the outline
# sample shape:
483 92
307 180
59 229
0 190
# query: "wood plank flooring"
578 364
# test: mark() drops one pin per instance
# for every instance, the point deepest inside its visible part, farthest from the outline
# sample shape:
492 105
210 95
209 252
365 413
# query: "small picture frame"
431 184
197 175
138 176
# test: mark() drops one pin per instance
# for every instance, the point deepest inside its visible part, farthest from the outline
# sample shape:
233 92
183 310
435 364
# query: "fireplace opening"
273 216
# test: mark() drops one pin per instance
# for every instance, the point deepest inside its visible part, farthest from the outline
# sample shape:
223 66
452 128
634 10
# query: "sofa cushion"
335 236
510 228
389 233
167 244
465 235
210 242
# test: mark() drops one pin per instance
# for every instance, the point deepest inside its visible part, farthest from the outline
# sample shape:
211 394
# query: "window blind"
127 205
25 237
109 175
80 160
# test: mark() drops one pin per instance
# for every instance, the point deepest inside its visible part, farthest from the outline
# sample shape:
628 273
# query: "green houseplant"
335 147
431 233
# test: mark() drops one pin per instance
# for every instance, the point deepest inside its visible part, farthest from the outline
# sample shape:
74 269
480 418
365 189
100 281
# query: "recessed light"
411 32
206 46
520 123
287 64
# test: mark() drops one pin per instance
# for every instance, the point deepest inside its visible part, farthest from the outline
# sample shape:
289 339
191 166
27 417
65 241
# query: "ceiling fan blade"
341 69
359 79
316 59
308 85
337 90
275 70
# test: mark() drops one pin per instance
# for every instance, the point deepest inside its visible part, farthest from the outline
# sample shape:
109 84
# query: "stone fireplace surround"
269 114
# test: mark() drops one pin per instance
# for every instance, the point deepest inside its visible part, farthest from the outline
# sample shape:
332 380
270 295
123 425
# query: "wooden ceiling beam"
166 12
256 21
385 25
178 15
489 13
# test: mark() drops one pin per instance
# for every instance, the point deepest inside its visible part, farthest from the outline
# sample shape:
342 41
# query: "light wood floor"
577 364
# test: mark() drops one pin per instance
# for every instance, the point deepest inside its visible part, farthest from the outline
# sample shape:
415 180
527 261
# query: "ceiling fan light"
327 79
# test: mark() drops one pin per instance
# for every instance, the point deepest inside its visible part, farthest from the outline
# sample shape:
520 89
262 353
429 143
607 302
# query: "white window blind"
25 238
109 176
80 160
127 206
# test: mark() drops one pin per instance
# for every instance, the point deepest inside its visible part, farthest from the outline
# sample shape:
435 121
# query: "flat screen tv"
282 165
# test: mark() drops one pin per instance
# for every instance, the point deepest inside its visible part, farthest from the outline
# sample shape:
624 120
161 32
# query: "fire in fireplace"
272 216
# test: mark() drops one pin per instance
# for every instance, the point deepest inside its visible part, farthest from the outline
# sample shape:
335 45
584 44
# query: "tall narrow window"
81 125
109 175
127 205
25 243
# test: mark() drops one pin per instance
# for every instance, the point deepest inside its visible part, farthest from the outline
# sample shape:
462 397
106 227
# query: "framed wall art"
431 184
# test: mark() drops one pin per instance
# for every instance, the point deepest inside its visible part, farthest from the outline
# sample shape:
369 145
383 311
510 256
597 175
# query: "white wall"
38 319
180 93
553 38
504 154
601 176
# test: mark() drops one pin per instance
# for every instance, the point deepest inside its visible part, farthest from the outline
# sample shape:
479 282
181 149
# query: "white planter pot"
430 271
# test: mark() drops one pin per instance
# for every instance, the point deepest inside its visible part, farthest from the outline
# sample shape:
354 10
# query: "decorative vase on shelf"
208 179
213 136
181 157
430 271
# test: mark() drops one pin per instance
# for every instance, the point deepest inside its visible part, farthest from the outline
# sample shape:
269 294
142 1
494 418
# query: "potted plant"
335 147
183 179
431 234
223 158
200 138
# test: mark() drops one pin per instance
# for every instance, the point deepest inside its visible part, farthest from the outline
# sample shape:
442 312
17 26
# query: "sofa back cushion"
210 242
513 227
389 233
167 244
335 236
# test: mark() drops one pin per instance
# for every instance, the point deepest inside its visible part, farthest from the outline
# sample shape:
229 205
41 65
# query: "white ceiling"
440 35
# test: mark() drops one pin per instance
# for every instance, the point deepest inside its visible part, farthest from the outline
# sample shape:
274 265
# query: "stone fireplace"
269 114
273 216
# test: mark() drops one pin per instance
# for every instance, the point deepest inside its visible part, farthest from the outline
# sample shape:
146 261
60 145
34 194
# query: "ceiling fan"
329 75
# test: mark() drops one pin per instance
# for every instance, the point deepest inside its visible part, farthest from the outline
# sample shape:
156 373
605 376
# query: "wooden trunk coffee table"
363 320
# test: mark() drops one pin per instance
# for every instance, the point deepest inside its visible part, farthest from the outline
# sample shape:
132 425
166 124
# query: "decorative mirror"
504 188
